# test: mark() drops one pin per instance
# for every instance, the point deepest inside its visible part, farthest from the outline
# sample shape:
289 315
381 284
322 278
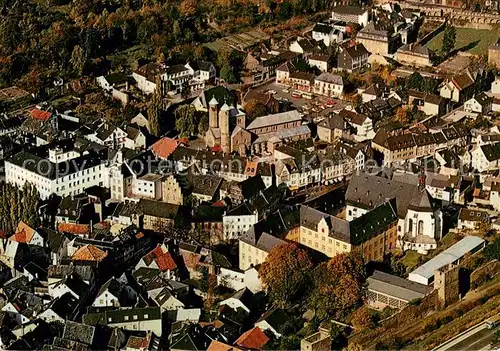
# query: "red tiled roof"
164 147
40 115
216 148
24 233
77 229
139 235
252 339
182 141
164 260
20 237
89 253
220 346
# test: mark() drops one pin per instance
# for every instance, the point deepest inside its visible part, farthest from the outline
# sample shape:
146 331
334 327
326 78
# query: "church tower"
212 113
224 128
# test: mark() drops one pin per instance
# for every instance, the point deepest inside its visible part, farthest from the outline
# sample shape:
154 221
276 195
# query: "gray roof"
349 10
339 228
264 241
414 49
330 78
450 255
133 314
371 191
397 287
278 118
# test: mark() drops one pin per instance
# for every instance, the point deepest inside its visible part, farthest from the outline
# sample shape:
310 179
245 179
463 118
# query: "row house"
373 234
302 81
327 33
403 147
328 84
255 244
486 157
353 58
61 178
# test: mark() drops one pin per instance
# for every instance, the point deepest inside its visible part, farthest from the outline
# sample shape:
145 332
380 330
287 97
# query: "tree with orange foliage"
188 7
362 319
285 273
255 109
402 114
338 285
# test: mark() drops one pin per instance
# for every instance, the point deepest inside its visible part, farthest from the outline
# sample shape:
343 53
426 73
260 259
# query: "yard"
475 41
410 260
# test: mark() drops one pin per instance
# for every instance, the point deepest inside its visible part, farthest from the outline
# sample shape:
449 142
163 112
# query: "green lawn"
410 260
477 39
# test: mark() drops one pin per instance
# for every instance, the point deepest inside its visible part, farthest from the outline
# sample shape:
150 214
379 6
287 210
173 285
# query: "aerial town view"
224 175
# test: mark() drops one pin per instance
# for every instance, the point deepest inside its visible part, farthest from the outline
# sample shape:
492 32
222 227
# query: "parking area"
315 107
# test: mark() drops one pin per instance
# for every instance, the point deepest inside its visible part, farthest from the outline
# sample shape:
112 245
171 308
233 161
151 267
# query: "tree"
203 124
492 251
185 120
338 286
78 60
226 73
362 319
285 273
402 115
415 81
449 39
155 109
255 109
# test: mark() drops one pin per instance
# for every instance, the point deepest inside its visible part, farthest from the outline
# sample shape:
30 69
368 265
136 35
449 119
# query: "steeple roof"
213 102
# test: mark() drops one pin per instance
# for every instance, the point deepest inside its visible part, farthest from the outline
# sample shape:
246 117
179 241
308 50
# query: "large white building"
350 14
66 176
238 221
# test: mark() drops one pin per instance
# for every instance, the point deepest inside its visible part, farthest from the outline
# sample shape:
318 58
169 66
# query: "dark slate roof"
208 213
241 210
78 332
205 184
142 314
372 191
275 318
491 151
473 215
64 305
339 228
114 78
322 28
252 186
483 99
348 10
52 170
372 223
333 122
158 208
176 69
357 50
398 287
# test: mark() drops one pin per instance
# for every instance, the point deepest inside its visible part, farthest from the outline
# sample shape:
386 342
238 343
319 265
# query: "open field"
474 41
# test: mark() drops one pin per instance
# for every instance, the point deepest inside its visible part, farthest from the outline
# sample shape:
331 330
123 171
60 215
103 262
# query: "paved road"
478 337
478 341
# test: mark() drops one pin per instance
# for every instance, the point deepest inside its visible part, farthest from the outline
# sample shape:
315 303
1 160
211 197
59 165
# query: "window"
146 316
125 318
135 317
